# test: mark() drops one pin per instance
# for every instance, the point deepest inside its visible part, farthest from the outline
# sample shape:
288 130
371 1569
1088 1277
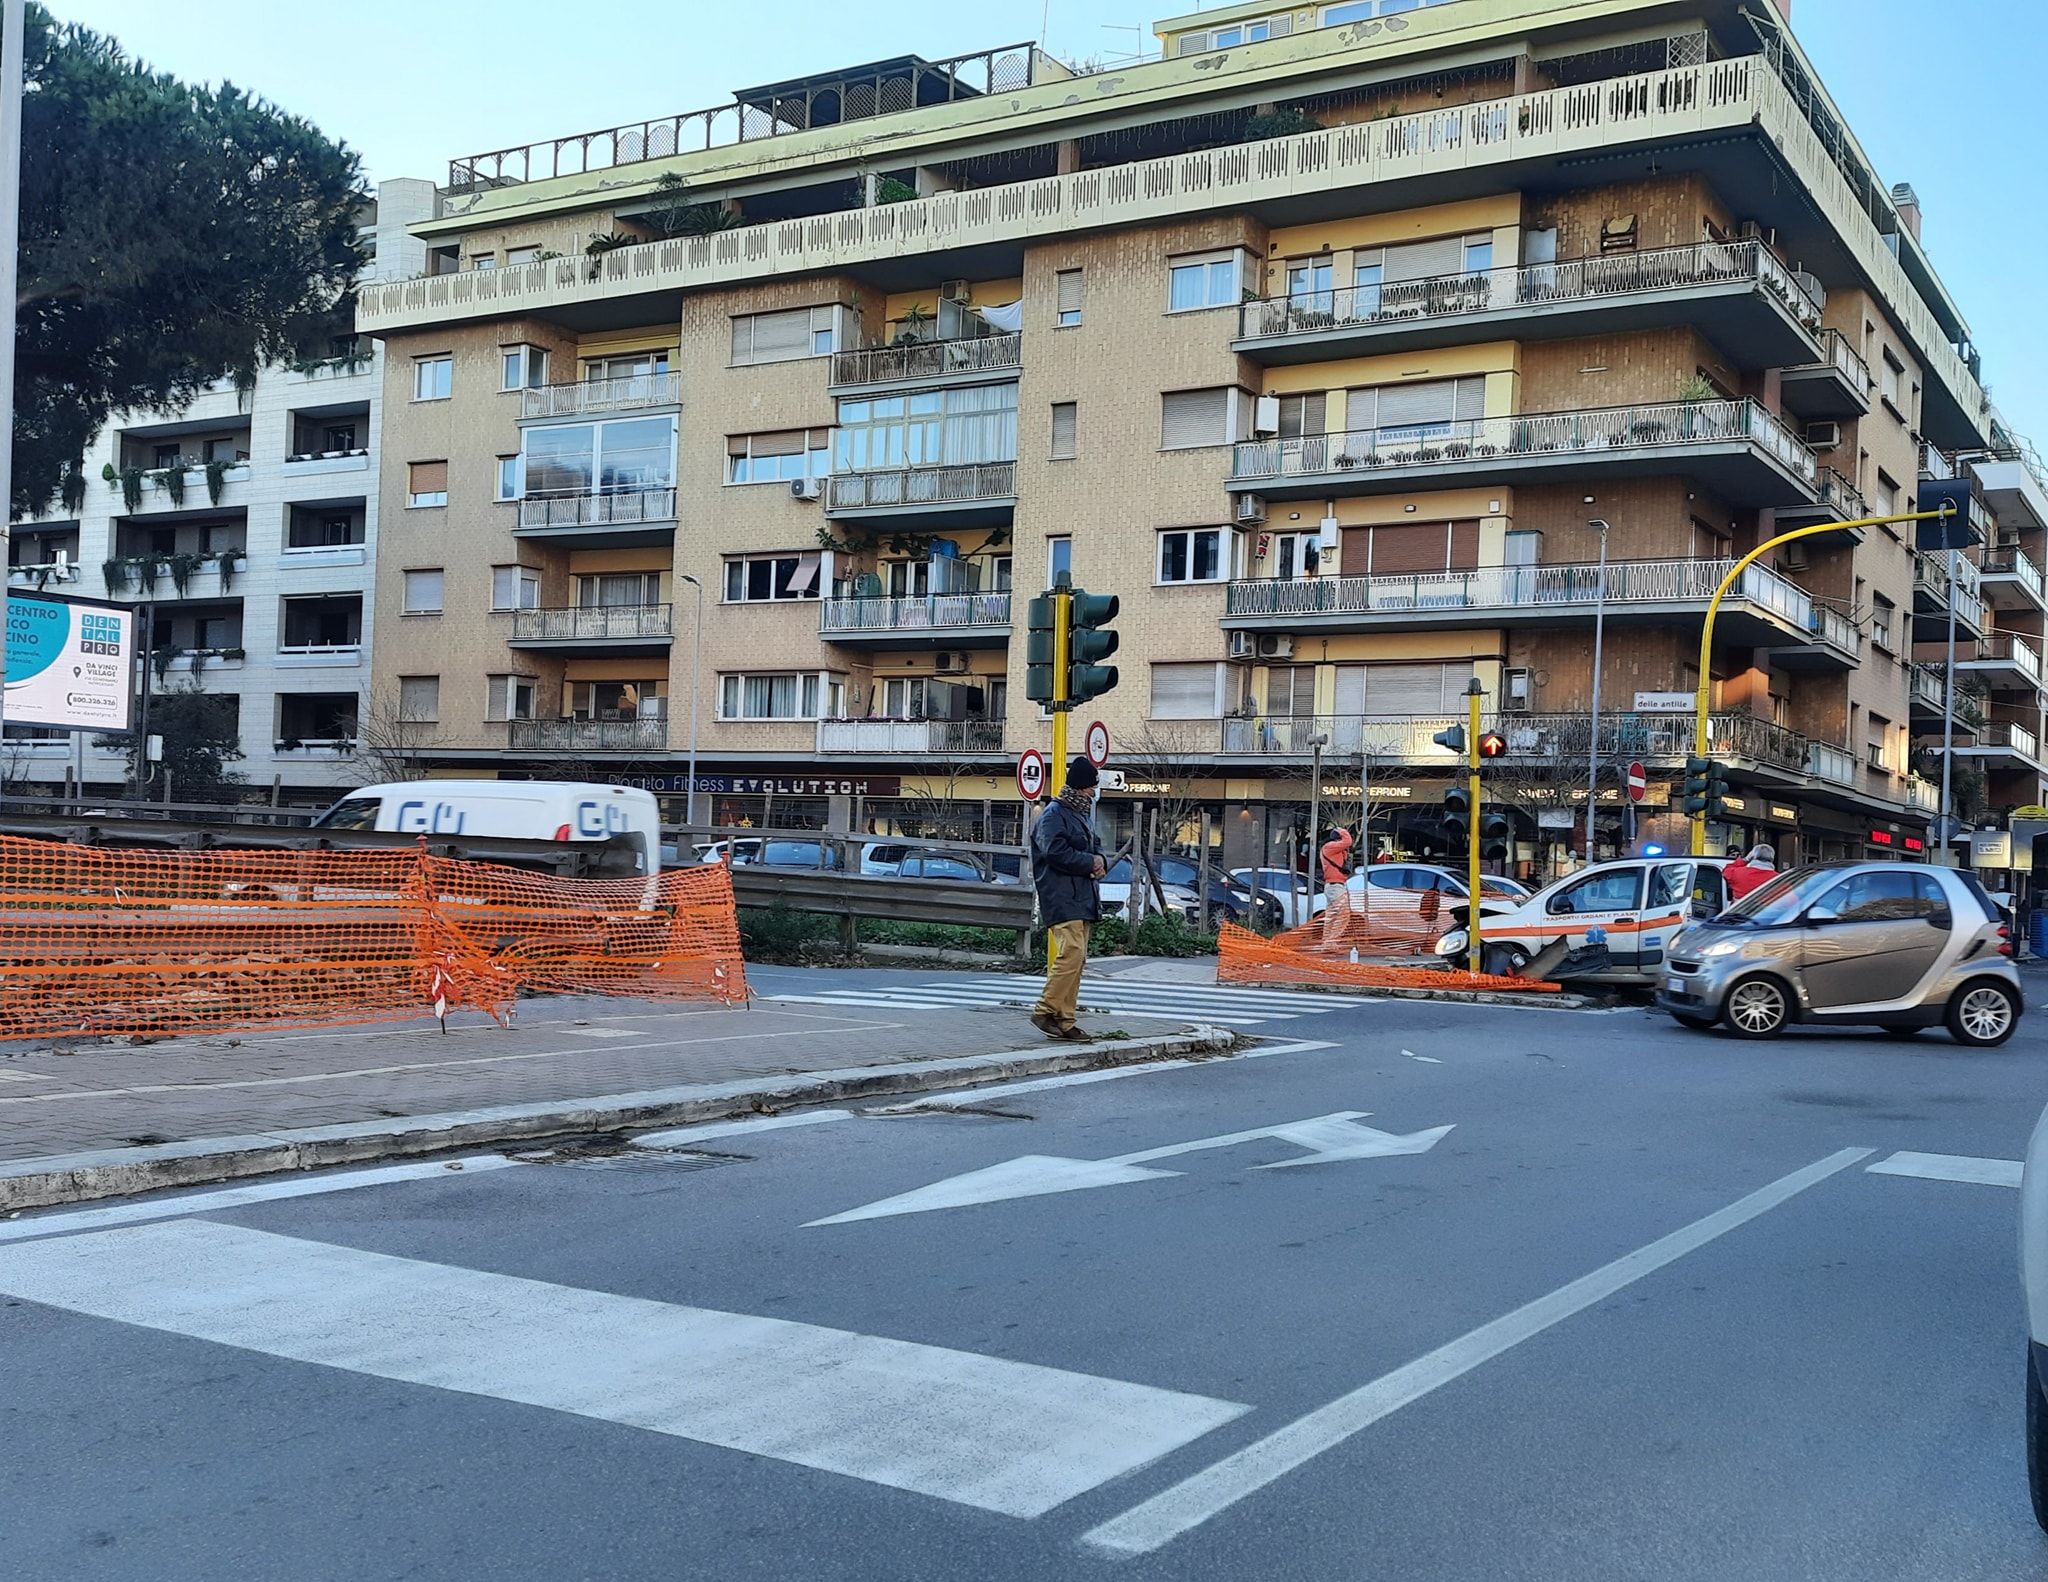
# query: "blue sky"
1951 105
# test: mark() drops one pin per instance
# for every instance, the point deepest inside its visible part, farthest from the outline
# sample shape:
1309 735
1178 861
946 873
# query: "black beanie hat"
1081 773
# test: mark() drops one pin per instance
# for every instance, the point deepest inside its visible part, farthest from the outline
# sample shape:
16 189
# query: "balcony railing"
1931 572
594 510
1832 626
2006 648
1484 290
1455 445
1566 738
592 623
1515 587
911 736
1922 796
938 612
2007 734
2012 563
1844 497
1825 761
1846 358
923 360
627 393
965 484
588 736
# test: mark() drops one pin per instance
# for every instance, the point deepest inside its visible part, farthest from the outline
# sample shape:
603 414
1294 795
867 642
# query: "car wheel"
1698 1024
2037 1441
1757 1008
1982 1015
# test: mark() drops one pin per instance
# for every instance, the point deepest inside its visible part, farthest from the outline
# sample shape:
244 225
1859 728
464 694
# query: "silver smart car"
1889 944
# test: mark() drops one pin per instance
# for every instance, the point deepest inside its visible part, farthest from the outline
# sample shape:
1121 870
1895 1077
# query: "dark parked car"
959 865
1229 900
798 854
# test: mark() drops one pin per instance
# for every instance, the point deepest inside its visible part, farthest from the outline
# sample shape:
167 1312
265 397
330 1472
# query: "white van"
561 810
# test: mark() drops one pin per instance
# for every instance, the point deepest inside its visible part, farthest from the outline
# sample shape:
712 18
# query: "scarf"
1077 801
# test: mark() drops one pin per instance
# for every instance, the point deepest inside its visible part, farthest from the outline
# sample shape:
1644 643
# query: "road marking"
1158 1521
602 1032
1069 1079
1427 1060
1951 1167
24 1076
1222 1005
676 1137
1001 1436
240 1197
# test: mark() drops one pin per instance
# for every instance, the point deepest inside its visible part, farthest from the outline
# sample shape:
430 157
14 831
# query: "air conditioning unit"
1823 436
955 291
1266 415
1243 645
1329 535
806 488
1251 508
1795 557
1274 646
1751 231
950 664
1810 284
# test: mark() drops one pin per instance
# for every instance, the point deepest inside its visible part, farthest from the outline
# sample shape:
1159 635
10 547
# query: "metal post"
1316 744
1599 643
1946 821
13 22
1202 878
1056 771
1472 697
696 684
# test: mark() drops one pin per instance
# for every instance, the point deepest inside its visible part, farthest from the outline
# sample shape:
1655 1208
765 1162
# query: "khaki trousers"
1337 913
1062 994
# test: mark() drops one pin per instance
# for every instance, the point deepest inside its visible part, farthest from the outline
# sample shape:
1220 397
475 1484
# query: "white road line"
1951 1167
677 1136
602 1032
1069 1079
873 1002
1001 1436
1427 1060
1207 991
1186 1505
238 1197
24 1076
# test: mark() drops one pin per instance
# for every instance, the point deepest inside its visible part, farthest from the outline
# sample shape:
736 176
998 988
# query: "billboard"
69 665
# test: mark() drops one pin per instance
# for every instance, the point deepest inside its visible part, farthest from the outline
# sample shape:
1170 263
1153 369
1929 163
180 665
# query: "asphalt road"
1644 1311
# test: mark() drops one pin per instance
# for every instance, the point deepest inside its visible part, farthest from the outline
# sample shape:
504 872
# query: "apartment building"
244 529
1363 349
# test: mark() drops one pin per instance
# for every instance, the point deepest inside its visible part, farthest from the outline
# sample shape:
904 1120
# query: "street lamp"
696 680
1599 633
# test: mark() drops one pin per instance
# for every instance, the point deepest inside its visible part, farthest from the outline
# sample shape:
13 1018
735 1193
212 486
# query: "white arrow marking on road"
1950 1167
1427 1060
1328 1139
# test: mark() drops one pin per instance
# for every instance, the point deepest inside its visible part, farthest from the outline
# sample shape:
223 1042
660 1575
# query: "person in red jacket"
1753 871
1334 862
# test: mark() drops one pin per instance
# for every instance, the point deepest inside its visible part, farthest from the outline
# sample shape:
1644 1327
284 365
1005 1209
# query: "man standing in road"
1335 863
1066 862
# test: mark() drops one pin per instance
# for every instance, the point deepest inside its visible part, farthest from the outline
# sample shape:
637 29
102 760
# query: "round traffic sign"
1638 782
1031 774
1096 743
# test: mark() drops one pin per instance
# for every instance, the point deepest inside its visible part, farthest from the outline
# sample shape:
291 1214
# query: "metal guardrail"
915 360
886 899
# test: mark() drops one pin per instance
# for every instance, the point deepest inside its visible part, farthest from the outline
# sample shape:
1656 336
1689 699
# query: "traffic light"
1496 835
1717 791
1492 744
1452 739
1038 650
1088 642
1457 818
1698 771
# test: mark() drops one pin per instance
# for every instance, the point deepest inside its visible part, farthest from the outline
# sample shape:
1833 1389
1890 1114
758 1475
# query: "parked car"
2034 1284
1289 892
1894 945
960 865
882 857
1639 904
819 854
1228 900
745 849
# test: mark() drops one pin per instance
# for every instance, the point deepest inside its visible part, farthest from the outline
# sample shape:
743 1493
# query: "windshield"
1782 899
355 812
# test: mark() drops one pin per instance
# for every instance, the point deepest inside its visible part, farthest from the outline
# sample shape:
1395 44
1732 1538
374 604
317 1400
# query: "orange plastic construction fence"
1298 956
97 941
1379 920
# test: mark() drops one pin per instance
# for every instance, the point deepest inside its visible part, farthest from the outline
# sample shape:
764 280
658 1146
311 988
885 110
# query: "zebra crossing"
1217 1003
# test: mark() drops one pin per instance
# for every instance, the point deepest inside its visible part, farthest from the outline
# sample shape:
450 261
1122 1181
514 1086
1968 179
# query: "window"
1059 559
1194 554
423 592
427 483
1881 895
1892 375
165 456
773 579
1293 555
1615 891
322 530
779 456
1881 610
617 590
781 696
509 698
522 255
509 477
1878 749
1067 298
433 378
515 588
786 336
1250 31
419 698
522 368
1887 494
1522 547
1187 691
615 700
1425 409
902 697
1478 254
1065 418
1206 280
335 436
1291 691
633 365
1189 418
1308 284
1304 414
976 423
483 260
614 457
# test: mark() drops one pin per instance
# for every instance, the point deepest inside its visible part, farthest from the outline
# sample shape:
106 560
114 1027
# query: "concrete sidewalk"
90 1118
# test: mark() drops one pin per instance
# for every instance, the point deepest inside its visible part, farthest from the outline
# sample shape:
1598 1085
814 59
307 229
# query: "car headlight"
1721 947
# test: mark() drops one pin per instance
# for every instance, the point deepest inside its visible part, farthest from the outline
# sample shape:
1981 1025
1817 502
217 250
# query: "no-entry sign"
1638 782
1031 774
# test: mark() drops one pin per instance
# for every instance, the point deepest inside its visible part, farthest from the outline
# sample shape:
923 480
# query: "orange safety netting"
1380 921
1298 956
96 941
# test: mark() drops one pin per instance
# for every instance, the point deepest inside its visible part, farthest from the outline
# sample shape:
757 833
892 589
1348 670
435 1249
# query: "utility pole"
1316 744
13 22
1945 824
1599 645
1473 692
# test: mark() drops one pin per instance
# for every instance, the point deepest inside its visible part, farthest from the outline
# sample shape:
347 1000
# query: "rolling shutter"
1184 692
1423 688
1409 548
772 337
1069 283
1426 401
1464 546
1063 428
428 477
1194 417
1440 255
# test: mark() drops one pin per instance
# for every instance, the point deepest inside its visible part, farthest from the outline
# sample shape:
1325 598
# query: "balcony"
983 359
319 656
1407 739
1735 293
594 629
1838 500
599 397
1922 796
2011 581
201 487
968 493
2003 744
1838 386
893 738
609 519
2015 483
1836 765
966 620
1762 609
2004 662
1927 700
1931 598
1833 643
1735 448
587 736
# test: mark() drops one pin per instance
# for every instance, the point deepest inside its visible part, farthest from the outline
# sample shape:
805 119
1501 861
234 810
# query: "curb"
1565 1001
117 1172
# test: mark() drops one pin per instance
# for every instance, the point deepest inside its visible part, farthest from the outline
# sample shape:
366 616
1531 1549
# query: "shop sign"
769 785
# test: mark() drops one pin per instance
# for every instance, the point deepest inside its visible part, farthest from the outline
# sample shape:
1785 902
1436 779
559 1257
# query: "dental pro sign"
69 665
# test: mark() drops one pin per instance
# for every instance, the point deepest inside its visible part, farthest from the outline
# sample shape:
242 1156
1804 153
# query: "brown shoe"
1047 1024
1077 1034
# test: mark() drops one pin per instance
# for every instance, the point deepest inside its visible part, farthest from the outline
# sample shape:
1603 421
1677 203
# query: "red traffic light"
1492 745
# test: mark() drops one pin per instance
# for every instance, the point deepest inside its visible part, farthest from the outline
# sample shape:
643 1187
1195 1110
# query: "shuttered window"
1440 255
419 699
1291 691
1185 692
1427 403
427 483
785 336
1410 548
1068 300
1400 688
1195 417
1065 415
1303 414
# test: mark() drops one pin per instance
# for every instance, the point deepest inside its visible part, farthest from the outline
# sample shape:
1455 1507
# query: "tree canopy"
171 236
202 742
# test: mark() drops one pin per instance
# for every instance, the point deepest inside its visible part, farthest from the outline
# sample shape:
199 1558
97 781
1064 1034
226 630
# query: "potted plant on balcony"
129 481
183 568
917 320
216 478
115 574
1692 390
171 480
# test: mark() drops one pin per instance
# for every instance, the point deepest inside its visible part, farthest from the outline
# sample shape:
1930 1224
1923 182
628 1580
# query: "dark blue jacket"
1063 853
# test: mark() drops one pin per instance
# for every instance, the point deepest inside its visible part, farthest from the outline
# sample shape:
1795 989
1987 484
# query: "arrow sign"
1327 1139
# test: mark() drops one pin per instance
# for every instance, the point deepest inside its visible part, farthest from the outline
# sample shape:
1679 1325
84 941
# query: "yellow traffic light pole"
1472 841
1699 820
1056 771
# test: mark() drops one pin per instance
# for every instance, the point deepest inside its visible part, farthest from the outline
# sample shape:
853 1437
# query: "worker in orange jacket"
1335 859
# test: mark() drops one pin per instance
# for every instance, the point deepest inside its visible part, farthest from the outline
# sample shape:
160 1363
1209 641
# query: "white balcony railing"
627 393
1486 290
910 736
596 510
1531 738
2006 735
2007 648
1833 627
1825 761
1846 360
964 484
937 612
2015 564
927 360
592 623
1922 796
1597 432
590 736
